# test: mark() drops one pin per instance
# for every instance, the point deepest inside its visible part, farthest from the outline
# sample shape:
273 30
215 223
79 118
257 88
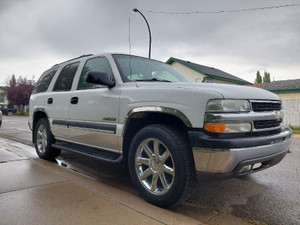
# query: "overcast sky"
36 34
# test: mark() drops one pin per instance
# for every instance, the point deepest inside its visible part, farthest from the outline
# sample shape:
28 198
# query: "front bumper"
238 156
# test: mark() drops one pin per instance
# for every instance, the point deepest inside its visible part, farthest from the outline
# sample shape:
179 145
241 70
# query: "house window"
1 97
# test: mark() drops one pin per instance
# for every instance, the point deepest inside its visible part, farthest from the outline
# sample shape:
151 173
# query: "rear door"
59 100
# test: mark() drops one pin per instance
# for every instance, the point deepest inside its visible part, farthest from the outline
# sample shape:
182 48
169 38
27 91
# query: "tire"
43 140
161 165
9 113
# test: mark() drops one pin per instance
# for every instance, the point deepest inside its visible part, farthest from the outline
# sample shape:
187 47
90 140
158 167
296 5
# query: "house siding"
3 99
291 107
190 74
289 96
197 76
220 82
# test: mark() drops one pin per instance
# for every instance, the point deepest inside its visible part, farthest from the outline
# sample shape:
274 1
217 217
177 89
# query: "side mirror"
96 77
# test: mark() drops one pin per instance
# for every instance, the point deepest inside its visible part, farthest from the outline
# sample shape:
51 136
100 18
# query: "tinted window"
44 81
65 78
96 64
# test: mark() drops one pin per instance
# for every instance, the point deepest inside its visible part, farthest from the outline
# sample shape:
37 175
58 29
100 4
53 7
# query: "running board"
89 151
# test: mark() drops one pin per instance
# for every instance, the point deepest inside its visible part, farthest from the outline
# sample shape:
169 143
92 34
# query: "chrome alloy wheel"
155 166
41 139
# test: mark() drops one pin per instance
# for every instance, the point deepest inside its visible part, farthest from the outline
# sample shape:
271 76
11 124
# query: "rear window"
44 81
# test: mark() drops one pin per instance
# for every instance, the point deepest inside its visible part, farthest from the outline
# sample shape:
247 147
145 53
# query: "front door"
93 112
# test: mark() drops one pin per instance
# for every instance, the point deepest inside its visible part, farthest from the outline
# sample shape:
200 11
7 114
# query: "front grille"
265 124
266 106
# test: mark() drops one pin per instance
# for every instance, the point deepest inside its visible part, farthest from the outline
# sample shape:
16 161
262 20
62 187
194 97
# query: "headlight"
222 105
216 123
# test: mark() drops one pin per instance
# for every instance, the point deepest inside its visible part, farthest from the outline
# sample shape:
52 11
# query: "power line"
221 11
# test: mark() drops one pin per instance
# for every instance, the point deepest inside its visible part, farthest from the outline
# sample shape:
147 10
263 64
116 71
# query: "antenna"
129 36
129 40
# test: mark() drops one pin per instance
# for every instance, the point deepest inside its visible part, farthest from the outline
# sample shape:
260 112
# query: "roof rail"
73 59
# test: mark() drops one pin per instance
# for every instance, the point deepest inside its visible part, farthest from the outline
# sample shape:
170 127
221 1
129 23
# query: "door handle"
50 100
74 100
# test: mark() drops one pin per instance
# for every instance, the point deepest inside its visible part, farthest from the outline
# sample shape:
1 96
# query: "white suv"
165 129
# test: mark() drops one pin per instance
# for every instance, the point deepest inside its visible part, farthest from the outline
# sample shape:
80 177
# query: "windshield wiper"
154 79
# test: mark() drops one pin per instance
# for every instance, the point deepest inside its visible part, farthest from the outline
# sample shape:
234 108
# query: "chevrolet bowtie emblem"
278 116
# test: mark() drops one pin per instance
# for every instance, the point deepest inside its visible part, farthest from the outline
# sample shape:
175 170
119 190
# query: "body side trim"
110 128
161 109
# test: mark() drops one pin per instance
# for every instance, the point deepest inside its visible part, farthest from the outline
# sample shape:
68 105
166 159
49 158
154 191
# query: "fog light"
257 166
238 127
245 169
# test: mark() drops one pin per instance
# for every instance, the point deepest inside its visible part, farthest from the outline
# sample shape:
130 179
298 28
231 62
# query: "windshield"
134 68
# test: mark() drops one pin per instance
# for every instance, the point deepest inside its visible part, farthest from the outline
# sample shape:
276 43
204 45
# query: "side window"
95 64
44 81
65 78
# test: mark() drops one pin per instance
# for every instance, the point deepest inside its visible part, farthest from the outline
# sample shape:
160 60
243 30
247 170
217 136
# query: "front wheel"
161 165
43 140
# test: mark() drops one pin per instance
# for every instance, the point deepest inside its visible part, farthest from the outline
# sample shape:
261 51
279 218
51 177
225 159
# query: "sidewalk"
296 135
35 191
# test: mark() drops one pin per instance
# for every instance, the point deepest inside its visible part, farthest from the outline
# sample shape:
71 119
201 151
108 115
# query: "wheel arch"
143 116
37 115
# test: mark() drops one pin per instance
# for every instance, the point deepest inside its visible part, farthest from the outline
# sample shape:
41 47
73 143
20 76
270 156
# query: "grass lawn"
296 130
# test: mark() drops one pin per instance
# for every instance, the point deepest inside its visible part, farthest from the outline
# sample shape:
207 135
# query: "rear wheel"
9 113
161 165
43 140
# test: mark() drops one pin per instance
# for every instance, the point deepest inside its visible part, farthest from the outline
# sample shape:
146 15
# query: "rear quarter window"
44 81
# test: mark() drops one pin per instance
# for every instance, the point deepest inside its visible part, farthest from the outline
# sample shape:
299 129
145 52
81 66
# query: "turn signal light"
215 127
228 127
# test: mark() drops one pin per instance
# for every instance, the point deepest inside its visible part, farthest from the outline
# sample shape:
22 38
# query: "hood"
225 90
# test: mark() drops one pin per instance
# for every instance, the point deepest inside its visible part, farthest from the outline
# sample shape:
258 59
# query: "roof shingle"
283 85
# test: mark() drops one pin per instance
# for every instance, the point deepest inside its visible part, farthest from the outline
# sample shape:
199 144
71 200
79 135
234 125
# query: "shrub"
22 113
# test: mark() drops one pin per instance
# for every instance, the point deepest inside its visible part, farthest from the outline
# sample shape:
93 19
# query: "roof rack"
82 56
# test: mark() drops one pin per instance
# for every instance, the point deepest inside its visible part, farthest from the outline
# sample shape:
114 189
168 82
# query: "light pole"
150 38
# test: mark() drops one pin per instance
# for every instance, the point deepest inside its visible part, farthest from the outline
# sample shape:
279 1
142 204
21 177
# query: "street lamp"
150 39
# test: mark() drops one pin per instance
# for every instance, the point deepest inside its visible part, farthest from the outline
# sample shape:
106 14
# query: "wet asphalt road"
271 196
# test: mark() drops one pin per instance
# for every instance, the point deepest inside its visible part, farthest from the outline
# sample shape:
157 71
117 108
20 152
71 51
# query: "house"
285 88
289 92
3 99
259 85
199 73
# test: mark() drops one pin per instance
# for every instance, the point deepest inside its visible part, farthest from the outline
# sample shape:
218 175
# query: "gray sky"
36 34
